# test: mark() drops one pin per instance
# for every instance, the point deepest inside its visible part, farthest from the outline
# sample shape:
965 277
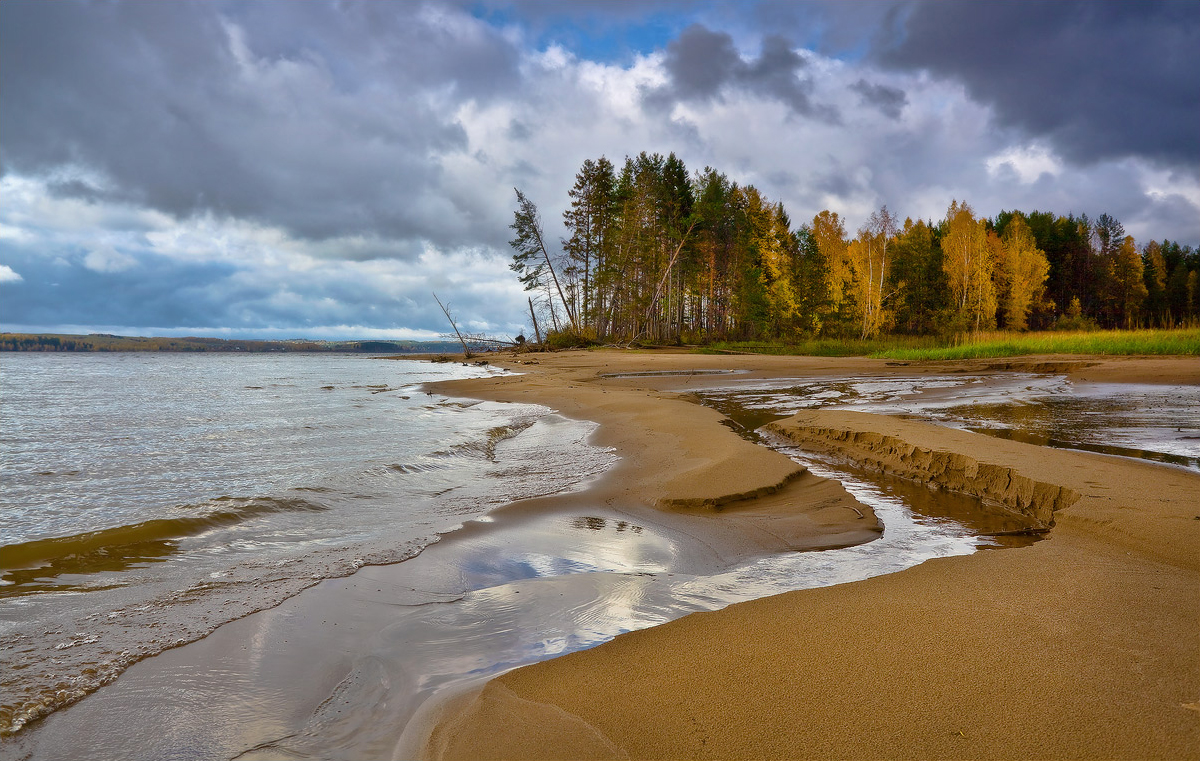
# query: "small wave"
412 468
502 433
117 548
487 445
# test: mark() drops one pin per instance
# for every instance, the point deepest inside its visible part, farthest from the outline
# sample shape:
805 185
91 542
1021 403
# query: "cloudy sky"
286 169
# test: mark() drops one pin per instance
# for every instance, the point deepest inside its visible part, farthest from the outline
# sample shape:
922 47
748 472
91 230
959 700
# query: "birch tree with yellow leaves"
1021 272
967 261
830 236
868 257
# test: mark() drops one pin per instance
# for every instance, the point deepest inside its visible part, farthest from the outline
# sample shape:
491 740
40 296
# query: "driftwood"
468 340
445 311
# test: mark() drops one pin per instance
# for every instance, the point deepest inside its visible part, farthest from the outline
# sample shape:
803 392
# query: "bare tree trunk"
666 275
554 275
537 332
445 311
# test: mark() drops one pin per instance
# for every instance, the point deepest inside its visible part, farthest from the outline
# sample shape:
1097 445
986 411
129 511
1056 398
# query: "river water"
150 498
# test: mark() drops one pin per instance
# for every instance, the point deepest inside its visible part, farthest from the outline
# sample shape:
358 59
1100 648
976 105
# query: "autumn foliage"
655 254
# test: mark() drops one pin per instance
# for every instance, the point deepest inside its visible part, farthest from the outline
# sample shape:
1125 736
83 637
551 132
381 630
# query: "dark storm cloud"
1100 80
153 293
889 100
324 119
836 183
162 294
365 44
702 64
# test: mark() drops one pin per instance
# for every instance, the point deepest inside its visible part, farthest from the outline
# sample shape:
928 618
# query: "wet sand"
338 670
1086 645
1083 645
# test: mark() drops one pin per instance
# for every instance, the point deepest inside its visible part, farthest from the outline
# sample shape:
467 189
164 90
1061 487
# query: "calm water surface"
148 498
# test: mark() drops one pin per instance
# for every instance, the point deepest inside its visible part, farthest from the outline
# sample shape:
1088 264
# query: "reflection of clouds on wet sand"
505 591
552 584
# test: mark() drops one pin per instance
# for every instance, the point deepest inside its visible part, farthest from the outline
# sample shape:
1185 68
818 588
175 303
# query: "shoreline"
296 660
1092 630
683 475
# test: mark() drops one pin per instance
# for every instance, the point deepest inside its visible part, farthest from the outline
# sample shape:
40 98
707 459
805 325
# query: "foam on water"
150 498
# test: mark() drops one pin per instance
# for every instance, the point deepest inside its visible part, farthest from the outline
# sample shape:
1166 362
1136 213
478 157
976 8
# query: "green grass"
823 347
1102 342
1184 342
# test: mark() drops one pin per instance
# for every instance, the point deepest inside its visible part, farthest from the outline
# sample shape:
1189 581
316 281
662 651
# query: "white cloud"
107 259
1162 185
1028 162
7 275
15 234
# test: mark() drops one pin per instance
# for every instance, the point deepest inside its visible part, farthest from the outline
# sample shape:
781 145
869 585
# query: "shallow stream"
1160 423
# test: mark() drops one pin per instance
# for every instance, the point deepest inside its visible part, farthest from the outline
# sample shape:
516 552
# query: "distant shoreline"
105 342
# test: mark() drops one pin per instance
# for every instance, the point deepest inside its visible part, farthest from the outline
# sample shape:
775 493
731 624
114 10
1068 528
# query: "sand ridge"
676 455
1086 645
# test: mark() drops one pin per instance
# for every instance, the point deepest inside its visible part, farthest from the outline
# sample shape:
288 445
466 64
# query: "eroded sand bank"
1086 645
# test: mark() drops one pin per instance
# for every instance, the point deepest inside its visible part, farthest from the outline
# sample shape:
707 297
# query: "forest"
654 254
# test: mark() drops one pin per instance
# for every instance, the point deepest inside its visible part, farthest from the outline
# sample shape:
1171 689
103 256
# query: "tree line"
656 254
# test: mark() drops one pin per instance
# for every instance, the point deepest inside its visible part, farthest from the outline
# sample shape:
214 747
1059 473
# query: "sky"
278 169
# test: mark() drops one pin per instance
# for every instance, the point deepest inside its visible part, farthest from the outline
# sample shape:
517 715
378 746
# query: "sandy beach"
1084 645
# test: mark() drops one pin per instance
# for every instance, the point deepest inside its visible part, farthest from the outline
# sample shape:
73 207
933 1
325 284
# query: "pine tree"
1156 285
919 279
532 261
590 220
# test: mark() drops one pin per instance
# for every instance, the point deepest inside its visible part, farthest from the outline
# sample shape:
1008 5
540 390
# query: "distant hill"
106 342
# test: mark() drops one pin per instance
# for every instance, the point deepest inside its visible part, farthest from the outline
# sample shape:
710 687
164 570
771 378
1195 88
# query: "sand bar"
337 670
1086 645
